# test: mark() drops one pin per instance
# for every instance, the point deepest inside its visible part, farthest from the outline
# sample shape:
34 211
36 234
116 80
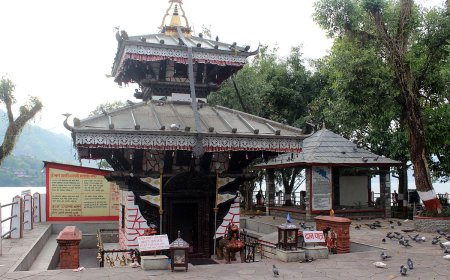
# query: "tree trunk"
409 101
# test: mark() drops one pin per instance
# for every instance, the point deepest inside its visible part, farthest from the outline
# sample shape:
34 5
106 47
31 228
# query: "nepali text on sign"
153 242
313 236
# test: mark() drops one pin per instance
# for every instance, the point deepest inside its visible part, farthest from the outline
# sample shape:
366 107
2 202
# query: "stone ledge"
431 224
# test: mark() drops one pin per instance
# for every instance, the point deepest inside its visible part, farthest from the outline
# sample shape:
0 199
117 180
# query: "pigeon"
288 218
275 271
399 223
448 238
442 246
446 244
441 233
446 257
415 238
435 241
403 270
383 240
391 226
410 264
357 227
404 242
447 251
380 264
390 235
384 256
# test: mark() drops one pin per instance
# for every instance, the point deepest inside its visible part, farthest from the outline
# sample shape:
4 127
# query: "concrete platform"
427 258
316 252
290 256
159 262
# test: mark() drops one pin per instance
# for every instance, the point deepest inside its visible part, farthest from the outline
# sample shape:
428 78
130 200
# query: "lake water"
6 196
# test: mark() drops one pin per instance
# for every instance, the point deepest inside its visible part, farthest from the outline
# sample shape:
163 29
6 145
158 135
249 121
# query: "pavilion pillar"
270 183
385 190
308 183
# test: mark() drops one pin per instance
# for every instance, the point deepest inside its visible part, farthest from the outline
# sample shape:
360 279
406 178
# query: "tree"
15 126
411 42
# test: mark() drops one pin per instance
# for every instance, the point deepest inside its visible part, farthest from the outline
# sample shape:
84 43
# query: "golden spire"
175 21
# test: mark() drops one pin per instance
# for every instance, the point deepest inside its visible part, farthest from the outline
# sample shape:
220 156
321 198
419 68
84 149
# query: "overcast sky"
60 51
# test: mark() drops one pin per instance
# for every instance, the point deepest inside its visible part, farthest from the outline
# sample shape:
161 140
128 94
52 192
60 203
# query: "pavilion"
338 177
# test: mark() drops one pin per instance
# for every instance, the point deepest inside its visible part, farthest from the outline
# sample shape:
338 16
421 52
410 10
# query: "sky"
61 51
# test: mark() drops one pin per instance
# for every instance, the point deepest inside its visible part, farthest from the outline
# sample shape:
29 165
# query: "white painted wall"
353 189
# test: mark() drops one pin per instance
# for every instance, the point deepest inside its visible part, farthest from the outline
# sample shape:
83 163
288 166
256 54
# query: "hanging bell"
123 261
99 257
129 259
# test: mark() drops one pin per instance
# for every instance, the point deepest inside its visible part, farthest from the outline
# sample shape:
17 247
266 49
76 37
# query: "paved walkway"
428 260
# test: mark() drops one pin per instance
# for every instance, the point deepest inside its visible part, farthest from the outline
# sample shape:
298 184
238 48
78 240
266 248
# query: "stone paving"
427 258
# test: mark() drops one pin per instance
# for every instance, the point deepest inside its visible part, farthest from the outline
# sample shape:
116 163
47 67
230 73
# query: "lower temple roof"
171 125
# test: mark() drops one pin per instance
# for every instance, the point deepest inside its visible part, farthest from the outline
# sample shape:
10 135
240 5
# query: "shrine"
177 160
337 178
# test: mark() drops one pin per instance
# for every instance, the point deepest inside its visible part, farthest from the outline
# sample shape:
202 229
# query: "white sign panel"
313 236
321 188
153 242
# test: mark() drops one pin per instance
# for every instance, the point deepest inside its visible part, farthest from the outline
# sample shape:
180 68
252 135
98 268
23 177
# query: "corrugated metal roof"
159 116
326 147
192 41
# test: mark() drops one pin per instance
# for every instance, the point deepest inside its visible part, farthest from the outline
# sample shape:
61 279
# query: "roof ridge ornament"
175 20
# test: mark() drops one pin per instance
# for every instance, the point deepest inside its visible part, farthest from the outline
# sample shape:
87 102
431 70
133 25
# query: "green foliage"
360 89
107 107
15 125
270 87
7 88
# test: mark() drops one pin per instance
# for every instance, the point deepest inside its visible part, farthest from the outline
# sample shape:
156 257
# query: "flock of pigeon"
402 240
443 239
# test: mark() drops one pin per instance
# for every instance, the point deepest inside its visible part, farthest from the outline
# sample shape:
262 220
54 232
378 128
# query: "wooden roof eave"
180 132
122 45
307 164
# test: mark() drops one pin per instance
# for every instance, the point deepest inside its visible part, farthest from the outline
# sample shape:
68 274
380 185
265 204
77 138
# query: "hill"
34 145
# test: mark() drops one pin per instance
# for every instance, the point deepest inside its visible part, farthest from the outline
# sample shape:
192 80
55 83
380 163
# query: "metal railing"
4 235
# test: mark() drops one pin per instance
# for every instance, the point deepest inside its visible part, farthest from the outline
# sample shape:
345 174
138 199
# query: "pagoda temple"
178 161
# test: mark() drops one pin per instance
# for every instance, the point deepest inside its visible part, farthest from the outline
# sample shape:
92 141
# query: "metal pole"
216 209
1 230
161 211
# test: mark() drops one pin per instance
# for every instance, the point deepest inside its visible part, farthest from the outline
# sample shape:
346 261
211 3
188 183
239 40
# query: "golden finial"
175 21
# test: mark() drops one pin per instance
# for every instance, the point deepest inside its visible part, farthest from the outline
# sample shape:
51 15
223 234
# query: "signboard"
321 188
153 243
80 194
313 236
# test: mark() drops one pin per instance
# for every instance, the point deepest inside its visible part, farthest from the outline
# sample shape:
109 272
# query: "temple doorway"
189 202
185 220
